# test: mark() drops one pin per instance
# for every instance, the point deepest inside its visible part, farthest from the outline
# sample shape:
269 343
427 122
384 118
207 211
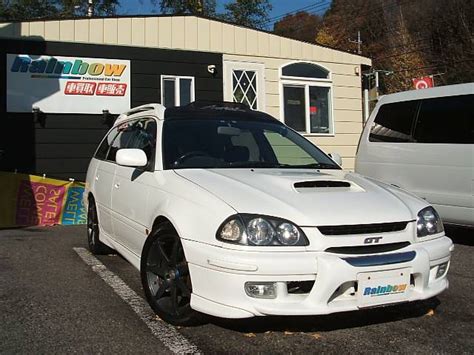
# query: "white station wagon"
228 212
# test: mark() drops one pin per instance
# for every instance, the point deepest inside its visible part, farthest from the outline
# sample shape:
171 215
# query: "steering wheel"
194 153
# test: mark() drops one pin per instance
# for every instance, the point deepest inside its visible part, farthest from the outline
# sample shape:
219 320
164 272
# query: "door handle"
117 185
97 178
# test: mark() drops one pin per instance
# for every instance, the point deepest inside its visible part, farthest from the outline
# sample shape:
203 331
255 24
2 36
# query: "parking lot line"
166 333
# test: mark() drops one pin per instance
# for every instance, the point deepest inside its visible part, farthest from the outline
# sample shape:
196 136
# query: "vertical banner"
74 211
27 200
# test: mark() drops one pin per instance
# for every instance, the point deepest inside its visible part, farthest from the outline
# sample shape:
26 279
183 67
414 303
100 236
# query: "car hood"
327 197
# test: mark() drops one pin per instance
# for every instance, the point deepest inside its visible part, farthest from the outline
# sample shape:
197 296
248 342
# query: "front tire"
95 245
165 277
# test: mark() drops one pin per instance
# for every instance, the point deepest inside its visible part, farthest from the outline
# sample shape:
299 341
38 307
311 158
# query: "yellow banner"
28 200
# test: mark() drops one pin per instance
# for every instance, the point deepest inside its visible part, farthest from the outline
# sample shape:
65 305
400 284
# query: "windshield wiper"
310 166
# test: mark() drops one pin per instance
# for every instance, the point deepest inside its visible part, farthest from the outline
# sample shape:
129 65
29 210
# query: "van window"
446 120
393 122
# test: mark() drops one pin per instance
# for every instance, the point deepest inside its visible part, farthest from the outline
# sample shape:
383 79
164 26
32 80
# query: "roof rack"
158 111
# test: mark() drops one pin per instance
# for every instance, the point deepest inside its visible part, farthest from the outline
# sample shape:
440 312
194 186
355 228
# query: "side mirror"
131 157
336 158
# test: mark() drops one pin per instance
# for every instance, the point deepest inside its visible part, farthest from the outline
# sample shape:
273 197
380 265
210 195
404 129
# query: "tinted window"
305 70
169 94
103 149
319 103
144 137
185 91
394 122
226 143
446 120
125 131
295 108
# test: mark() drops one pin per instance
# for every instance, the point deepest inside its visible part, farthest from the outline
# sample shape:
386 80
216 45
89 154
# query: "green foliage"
302 26
27 9
250 13
195 7
21 10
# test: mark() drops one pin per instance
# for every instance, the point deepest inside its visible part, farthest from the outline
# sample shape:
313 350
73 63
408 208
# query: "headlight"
428 222
260 231
257 230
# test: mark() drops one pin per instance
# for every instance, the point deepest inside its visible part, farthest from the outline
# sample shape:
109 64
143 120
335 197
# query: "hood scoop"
320 183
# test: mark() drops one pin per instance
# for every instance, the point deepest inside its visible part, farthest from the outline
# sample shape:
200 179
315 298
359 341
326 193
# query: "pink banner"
39 203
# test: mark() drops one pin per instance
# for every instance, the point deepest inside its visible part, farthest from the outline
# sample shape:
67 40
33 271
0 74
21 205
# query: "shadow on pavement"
27 229
460 235
329 322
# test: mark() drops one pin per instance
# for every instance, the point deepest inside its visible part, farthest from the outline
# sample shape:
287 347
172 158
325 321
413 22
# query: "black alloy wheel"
95 245
165 277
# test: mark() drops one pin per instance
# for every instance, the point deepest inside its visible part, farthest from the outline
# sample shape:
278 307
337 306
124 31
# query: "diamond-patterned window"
244 87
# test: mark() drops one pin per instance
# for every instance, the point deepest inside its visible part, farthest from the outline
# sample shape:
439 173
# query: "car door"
444 138
103 178
131 189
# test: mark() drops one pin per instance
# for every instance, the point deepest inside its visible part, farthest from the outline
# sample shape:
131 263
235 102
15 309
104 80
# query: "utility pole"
90 8
359 43
376 75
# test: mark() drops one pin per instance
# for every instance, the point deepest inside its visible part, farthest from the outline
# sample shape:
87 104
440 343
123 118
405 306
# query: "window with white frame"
307 98
177 90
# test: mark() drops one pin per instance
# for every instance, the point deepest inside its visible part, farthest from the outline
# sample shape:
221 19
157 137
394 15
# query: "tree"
21 10
302 26
195 7
27 9
249 13
408 38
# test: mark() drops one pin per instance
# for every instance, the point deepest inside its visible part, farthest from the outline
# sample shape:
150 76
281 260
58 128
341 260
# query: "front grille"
368 249
363 228
299 287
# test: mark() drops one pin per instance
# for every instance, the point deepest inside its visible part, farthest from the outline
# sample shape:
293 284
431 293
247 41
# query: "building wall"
347 102
177 32
237 43
64 146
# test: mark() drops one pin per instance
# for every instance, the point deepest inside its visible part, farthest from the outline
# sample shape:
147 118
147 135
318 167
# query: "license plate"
383 287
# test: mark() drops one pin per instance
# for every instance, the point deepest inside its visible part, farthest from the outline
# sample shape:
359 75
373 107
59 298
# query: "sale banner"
28 200
74 211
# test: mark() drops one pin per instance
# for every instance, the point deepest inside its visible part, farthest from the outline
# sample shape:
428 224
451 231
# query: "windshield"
215 143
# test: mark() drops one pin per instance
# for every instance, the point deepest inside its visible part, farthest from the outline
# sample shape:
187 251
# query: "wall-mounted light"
357 70
39 117
211 68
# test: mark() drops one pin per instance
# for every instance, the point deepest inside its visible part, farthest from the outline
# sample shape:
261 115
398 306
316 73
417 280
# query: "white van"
423 141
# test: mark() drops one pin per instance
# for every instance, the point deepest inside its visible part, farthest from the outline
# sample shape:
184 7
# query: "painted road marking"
166 333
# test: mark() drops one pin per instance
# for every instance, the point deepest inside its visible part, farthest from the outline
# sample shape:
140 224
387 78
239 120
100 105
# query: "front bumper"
219 275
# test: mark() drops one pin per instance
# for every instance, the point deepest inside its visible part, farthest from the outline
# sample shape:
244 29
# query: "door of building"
244 82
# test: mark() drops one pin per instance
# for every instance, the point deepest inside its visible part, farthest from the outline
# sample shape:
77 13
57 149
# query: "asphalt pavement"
51 301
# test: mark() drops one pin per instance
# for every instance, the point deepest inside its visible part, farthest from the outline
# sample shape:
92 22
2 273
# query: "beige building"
314 89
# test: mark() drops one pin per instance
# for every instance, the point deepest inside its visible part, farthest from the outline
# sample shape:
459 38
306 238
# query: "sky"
280 7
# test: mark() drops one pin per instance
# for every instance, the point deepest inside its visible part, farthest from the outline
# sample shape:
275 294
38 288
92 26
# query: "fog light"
442 268
261 289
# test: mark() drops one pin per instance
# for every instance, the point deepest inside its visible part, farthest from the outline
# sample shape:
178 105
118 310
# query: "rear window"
394 122
446 120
